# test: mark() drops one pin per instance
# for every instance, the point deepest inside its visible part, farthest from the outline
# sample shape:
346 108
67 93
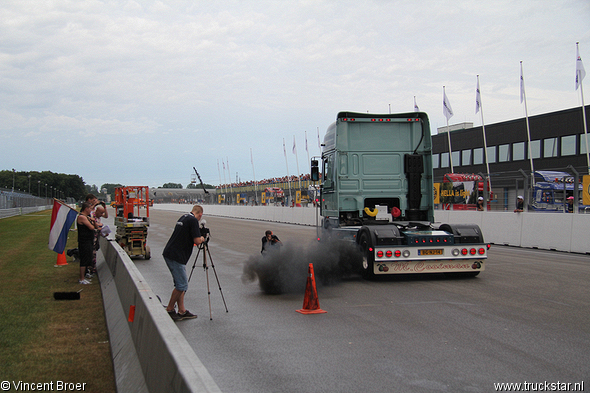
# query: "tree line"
44 184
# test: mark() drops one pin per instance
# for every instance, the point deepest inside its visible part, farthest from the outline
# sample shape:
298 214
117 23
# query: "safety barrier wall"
550 231
167 361
17 211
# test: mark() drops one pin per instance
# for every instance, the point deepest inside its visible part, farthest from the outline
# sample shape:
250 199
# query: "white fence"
550 231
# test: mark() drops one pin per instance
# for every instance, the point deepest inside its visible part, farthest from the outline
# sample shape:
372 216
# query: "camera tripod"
205 248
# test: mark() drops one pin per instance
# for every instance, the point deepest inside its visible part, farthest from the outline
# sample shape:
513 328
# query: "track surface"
525 319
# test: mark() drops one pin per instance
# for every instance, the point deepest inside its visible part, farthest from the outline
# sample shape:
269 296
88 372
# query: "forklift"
132 226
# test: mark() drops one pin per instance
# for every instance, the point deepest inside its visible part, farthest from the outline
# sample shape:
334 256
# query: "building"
557 143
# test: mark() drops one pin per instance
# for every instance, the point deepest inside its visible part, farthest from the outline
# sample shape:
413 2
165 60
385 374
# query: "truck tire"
148 253
368 257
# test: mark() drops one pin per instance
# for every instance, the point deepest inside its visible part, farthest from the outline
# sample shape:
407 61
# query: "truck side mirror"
315 170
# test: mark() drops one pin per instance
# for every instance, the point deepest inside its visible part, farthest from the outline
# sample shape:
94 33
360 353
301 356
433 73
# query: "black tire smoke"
283 269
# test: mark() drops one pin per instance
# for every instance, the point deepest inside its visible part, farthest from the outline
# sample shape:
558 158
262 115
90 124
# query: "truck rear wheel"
368 257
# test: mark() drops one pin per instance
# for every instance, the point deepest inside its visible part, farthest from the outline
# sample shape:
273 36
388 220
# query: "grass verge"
43 340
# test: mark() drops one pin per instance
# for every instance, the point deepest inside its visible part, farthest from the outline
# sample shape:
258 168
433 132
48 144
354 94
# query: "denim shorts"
178 271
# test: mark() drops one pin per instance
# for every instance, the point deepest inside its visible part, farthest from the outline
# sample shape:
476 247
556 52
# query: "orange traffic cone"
61 260
311 303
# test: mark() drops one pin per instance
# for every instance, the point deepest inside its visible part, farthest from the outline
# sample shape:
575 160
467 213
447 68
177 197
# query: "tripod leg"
196 258
217 278
207 275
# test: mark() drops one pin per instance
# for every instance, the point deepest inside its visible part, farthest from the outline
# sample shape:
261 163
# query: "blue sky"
139 92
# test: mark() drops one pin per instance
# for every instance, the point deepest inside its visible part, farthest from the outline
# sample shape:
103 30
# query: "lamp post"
29 183
45 190
13 175
39 188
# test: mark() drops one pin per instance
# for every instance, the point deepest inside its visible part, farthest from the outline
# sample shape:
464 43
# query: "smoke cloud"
283 269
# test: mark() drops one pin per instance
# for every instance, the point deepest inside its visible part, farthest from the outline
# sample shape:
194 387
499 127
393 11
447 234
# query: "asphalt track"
525 319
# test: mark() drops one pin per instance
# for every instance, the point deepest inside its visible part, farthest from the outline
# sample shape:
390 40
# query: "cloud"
230 76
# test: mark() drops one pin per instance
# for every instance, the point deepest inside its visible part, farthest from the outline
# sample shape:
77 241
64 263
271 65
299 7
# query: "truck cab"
377 190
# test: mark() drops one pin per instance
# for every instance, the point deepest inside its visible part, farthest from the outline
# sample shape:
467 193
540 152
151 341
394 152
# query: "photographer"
177 252
269 240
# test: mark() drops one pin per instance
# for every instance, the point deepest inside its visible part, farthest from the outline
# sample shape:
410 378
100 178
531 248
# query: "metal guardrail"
18 211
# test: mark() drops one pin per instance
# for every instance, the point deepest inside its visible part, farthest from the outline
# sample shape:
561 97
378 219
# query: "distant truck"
377 190
552 190
273 195
460 191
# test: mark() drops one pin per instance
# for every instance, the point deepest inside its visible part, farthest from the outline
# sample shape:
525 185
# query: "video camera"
205 232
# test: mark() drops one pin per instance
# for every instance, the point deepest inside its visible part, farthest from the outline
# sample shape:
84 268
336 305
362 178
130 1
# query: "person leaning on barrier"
268 241
87 227
519 204
177 252
480 204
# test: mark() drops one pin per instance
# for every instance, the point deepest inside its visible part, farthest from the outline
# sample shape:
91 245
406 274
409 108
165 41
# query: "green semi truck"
376 189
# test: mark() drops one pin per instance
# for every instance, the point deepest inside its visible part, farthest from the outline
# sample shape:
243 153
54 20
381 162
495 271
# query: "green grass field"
44 340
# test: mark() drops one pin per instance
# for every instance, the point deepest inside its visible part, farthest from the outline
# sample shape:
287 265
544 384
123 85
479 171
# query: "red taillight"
473 251
388 254
380 254
398 253
464 251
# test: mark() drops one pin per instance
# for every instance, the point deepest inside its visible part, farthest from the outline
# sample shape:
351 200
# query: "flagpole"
231 189
528 129
580 73
287 163
479 107
448 112
219 173
296 161
224 181
306 149
254 174
319 142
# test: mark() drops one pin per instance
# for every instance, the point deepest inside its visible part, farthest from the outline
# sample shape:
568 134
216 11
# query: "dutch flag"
62 218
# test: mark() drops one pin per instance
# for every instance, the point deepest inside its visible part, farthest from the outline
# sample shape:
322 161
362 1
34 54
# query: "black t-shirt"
180 245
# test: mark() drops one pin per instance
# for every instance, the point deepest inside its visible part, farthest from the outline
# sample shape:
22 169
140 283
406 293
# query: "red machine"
130 203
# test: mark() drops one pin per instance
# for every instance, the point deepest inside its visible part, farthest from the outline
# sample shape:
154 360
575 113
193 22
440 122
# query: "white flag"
319 143
447 110
580 71
477 97
416 109
521 84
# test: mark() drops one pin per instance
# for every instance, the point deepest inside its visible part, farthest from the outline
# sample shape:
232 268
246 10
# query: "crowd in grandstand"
266 182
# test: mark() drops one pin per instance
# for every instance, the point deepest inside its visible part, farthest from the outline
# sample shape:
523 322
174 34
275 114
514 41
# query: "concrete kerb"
150 354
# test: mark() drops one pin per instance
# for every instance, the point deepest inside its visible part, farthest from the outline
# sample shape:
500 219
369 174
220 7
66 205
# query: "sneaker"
174 315
187 315
84 282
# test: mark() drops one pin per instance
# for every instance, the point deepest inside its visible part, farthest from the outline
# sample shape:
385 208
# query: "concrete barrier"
549 231
149 352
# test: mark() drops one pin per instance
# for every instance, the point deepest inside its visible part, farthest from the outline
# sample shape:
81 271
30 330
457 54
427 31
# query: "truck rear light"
379 254
406 253
455 252
473 251
398 253
482 251
388 254
464 251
